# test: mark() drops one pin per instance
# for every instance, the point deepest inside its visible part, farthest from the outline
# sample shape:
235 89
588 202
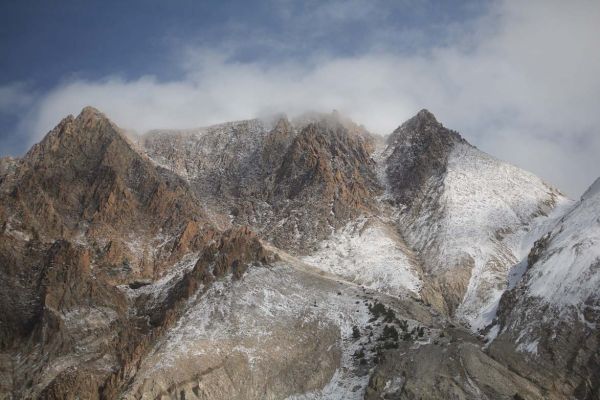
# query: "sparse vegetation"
359 354
389 333
378 310
403 324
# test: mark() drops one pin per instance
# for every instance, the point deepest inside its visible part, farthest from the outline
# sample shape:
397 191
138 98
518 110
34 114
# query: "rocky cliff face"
417 152
85 182
293 183
177 265
83 213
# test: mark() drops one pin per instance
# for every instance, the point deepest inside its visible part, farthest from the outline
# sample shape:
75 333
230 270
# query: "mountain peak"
424 127
423 121
426 115
91 130
89 113
282 123
419 149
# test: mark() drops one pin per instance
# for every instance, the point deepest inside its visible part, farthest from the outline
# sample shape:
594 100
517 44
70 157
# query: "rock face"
418 151
292 183
551 314
82 213
295 259
85 182
86 171
452 367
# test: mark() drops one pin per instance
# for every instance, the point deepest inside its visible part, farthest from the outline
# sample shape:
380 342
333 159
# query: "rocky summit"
291 259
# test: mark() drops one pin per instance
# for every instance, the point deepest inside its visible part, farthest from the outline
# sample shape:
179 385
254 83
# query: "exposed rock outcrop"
451 367
419 151
82 214
292 183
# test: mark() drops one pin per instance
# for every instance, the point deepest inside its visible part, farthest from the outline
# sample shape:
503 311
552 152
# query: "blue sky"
518 79
45 42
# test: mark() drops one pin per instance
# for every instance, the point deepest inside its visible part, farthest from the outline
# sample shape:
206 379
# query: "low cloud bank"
520 82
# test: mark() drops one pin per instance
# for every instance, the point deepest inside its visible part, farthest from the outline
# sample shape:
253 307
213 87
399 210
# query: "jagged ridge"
126 238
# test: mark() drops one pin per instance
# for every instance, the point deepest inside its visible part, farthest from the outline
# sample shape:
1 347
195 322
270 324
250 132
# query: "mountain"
551 314
83 214
292 182
299 259
469 216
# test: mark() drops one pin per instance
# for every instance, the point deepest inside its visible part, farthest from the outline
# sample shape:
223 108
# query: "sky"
520 80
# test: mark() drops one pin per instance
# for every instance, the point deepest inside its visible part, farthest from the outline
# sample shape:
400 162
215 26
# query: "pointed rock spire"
89 114
426 115
424 126
419 149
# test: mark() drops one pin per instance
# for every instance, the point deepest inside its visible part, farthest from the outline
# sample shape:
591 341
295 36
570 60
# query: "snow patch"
369 253
529 347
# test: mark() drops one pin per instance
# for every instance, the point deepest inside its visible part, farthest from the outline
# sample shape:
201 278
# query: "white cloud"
522 84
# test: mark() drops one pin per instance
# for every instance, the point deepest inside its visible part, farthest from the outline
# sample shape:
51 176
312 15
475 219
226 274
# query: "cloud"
521 82
14 97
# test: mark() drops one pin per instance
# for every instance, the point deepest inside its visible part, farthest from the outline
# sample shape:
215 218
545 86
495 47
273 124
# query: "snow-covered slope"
495 211
552 313
470 218
369 252
566 268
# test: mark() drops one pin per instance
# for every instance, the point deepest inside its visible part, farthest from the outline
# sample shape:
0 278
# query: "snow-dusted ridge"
189 152
486 214
568 270
476 216
495 213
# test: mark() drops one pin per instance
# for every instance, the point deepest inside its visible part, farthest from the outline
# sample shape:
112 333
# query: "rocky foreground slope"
303 259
